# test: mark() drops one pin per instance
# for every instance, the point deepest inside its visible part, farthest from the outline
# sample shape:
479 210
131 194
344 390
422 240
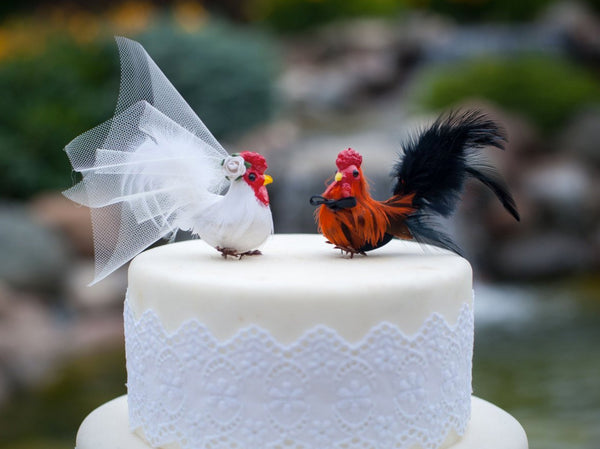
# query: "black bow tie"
334 205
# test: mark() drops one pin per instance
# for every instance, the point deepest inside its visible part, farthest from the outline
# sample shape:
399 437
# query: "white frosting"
389 389
298 283
107 427
301 293
188 293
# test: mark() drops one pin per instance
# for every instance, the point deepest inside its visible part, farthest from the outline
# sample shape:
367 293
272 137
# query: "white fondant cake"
299 348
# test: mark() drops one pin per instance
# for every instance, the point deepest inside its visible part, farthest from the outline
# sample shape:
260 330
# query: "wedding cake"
299 348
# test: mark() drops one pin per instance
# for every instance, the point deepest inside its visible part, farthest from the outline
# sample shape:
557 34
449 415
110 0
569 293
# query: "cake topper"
429 180
155 168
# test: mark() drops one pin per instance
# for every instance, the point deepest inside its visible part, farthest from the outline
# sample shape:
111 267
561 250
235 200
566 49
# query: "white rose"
234 167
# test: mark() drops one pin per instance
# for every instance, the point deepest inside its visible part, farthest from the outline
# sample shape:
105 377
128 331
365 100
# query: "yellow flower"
190 15
83 27
132 17
4 44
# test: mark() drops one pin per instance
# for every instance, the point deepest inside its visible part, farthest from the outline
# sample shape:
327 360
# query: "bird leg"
225 252
347 251
255 252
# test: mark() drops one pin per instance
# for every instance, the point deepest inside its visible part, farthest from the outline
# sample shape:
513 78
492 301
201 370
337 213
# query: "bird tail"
436 165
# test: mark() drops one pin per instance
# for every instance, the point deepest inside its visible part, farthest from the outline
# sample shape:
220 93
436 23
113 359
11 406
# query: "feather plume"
437 163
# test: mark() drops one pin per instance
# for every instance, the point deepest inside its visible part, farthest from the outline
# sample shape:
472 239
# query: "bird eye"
355 173
252 177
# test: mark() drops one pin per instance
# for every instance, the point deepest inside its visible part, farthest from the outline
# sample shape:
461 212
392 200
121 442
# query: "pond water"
537 355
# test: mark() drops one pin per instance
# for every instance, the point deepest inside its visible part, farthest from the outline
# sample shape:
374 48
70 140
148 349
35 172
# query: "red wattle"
262 195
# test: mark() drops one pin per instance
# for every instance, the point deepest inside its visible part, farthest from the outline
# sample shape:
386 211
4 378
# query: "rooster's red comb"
257 161
347 158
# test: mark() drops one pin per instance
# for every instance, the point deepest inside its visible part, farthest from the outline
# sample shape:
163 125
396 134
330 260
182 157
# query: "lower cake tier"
490 427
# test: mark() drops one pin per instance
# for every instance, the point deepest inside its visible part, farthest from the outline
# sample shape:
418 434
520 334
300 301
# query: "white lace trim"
252 392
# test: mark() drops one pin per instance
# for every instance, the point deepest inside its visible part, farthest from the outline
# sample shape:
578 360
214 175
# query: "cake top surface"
299 261
299 282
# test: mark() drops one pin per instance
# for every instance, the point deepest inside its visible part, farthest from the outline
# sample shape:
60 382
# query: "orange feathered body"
368 224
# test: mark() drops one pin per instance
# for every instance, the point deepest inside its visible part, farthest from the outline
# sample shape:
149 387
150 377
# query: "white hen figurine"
155 168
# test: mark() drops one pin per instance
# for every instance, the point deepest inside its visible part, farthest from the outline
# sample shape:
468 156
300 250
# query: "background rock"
32 256
108 294
540 256
580 139
64 216
562 191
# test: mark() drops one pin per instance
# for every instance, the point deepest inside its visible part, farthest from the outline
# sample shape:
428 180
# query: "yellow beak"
338 176
268 180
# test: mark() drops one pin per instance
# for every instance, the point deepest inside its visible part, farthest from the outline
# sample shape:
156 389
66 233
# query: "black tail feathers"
436 165
424 228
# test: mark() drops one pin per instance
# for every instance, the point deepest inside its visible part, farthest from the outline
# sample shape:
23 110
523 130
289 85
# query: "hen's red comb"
257 161
347 158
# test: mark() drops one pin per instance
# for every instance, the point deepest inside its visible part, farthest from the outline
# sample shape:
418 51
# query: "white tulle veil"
147 171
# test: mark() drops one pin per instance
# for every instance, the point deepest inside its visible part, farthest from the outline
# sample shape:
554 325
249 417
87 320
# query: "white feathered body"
237 220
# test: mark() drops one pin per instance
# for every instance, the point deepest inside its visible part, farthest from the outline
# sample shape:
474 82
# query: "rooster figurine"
154 168
429 180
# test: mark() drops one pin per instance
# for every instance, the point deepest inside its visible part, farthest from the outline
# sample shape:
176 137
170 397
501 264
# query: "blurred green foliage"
47 100
291 16
486 10
227 74
49 97
547 91
48 417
